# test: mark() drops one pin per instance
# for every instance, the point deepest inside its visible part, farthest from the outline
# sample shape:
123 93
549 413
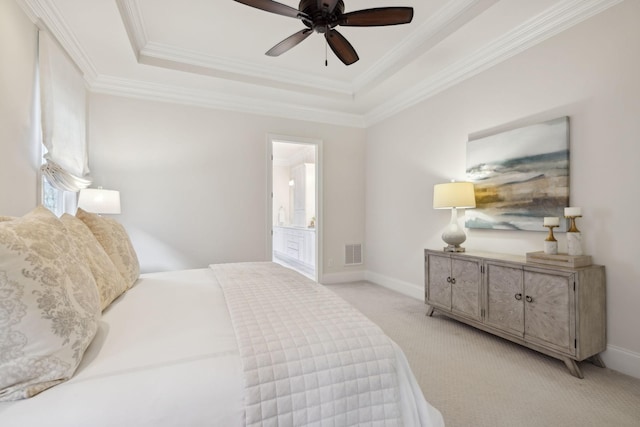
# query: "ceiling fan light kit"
322 16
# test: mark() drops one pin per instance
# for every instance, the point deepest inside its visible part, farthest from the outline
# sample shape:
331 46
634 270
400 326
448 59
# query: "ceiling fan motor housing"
321 18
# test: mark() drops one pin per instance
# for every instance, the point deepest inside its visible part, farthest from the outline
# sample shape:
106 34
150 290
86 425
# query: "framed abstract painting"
520 176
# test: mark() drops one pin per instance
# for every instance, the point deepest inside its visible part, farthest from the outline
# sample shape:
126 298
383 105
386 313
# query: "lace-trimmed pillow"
116 243
110 282
49 305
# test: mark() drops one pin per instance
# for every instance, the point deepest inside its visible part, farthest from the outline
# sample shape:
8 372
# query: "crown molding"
46 15
133 24
153 53
182 59
428 34
212 99
547 24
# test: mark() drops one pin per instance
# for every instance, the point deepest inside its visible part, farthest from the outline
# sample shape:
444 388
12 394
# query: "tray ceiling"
211 53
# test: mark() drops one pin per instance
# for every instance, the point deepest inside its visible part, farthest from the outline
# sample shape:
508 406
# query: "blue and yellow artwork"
520 176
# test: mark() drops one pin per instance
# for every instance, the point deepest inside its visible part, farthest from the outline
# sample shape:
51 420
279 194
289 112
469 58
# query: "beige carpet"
476 379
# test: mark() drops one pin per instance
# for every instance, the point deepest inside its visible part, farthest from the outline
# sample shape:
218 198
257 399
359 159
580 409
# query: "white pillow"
49 305
110 283
116 243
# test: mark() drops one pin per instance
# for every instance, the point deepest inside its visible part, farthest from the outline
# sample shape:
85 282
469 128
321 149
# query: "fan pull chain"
326 46
326 59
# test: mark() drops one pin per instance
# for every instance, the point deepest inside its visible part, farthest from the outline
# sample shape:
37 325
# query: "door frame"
271 138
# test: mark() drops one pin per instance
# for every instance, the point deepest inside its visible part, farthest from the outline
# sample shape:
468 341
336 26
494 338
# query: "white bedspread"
166 355
310 358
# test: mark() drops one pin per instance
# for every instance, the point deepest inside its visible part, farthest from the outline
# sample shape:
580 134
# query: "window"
63 126
52 198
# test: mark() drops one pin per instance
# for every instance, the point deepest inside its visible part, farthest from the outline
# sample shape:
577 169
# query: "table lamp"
99 200
453 195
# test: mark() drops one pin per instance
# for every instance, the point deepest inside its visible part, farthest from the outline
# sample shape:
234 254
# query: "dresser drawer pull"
528 298
518 296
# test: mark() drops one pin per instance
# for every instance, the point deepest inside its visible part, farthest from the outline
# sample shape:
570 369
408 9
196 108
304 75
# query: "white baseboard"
622 360
348 276
405 288
616 358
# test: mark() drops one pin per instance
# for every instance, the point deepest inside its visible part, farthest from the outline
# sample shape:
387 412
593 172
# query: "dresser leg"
573 367
596 360
430 311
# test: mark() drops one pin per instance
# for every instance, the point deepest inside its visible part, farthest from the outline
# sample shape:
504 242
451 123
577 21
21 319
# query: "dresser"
558 311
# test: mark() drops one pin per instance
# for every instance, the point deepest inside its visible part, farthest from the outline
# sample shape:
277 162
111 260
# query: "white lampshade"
454 195
99 200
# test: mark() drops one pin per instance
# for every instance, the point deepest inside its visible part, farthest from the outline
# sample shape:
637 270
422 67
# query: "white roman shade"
63 107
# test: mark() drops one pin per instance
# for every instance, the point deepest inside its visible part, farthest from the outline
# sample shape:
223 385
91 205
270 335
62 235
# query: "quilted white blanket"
309 358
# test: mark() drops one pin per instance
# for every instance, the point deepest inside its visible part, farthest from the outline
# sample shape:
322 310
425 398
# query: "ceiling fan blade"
341 47
377 17
274 7
327 5
289 42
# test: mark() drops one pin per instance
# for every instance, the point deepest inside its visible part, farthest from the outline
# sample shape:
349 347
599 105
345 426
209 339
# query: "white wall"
193 180
590 73
19 147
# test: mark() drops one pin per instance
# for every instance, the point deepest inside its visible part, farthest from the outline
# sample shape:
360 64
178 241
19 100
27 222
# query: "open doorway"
295 204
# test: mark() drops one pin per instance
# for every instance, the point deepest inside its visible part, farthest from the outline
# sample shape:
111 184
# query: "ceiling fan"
322 16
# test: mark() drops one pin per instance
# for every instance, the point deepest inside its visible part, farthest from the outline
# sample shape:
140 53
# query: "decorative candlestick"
572 224
572 212
574 237
550 243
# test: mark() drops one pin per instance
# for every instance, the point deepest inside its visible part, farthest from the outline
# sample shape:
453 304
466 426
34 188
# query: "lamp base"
453 235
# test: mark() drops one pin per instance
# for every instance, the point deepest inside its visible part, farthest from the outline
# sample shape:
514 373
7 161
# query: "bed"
246 344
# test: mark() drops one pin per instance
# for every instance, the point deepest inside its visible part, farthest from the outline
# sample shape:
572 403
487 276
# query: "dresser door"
505 297
550 309
439 281
466 285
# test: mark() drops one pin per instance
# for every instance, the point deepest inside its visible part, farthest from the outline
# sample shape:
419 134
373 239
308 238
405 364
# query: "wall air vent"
353 254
